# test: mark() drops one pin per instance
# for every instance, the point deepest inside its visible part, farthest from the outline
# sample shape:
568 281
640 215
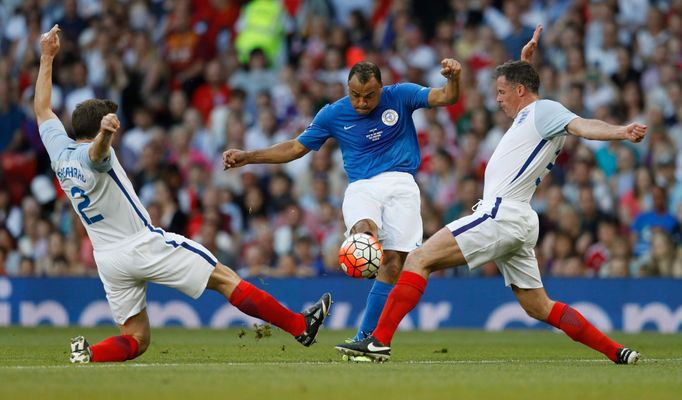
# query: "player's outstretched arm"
276 154
448 94
49 47
100 148
529 49
595 129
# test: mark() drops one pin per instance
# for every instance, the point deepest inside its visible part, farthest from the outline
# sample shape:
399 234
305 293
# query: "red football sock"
260 304
569 320
403 298
115 348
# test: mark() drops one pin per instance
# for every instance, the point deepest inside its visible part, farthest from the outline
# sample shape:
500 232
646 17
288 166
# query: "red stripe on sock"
260 304
569 320
115 348
403 298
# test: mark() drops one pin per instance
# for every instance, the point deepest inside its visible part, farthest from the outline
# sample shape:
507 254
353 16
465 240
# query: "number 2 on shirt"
85 202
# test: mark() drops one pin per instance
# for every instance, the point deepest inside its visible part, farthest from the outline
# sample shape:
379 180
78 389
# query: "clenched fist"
110 123
450 68
635 132
234 158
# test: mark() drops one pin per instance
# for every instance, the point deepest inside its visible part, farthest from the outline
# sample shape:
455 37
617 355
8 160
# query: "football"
360 256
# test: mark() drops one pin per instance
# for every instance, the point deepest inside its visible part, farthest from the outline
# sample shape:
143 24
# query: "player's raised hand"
529 49
635 132
450 68
234 158
110 123
49 42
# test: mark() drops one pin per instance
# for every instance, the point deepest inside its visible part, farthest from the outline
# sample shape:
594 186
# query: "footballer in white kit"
504 227
128 249
525 154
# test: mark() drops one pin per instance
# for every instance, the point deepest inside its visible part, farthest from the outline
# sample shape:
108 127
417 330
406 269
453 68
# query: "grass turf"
188 364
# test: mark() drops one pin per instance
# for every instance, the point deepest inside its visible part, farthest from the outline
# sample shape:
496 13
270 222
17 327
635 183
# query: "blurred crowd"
194 77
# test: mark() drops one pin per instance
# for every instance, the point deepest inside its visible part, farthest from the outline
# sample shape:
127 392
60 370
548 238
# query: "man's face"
508 97
364 97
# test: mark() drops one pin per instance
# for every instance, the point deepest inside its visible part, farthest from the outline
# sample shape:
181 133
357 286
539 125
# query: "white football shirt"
527 151
101 193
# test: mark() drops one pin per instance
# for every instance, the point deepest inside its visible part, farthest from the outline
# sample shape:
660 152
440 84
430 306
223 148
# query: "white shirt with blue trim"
527 151
101 193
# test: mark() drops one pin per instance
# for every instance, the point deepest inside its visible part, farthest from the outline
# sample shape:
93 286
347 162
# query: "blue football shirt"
381 141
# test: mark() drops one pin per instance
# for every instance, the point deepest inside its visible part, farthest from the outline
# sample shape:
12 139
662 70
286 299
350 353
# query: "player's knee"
365 226
416 262
223 280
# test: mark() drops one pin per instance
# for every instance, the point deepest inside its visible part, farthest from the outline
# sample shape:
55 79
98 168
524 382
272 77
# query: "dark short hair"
365 70
87 117
521 73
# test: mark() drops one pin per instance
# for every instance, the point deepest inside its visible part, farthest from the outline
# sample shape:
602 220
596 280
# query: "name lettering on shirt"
70 172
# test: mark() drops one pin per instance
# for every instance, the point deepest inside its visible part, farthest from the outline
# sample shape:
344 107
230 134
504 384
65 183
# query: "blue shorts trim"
479 220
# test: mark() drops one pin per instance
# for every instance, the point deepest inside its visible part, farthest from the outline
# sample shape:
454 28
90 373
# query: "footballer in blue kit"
383 140
374 129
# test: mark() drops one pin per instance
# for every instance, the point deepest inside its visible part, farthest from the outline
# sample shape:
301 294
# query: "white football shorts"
392 201
504 231
156 256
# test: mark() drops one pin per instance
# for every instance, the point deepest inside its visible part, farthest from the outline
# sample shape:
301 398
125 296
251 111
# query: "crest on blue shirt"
389 117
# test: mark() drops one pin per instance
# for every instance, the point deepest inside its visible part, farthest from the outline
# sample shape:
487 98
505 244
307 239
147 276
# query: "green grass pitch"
234 364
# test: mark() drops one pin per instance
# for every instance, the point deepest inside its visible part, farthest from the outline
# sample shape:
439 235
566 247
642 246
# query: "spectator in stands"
138 137
11 118
79 89
254 77
172 219
646 222
214 92
260 26
183 49
660 259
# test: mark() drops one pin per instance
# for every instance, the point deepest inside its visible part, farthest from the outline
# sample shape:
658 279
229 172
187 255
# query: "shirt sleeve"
314 136
416 96
82 154
551 118
54 137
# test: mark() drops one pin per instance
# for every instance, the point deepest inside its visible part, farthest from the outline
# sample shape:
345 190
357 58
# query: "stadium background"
194 77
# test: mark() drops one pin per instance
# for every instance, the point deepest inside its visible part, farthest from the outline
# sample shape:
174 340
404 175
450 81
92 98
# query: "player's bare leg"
260 304
538 305
132 342
439 252
138 327
392 266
